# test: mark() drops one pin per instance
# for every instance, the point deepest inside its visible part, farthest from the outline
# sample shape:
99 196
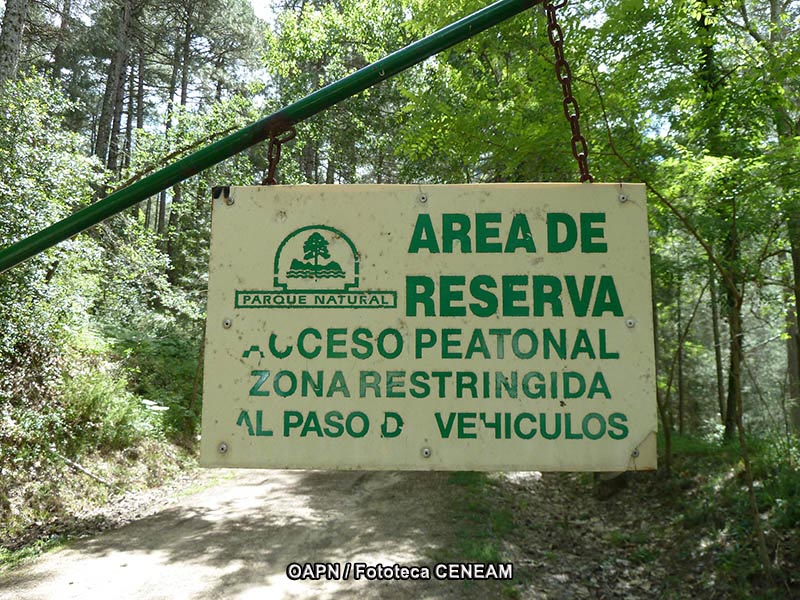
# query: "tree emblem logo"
316 258
314 248
316 266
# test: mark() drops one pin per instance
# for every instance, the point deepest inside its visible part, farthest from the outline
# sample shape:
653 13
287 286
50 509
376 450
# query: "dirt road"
235 540
234 535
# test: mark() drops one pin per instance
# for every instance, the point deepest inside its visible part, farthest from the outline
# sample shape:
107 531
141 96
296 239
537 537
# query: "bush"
102 414
163 369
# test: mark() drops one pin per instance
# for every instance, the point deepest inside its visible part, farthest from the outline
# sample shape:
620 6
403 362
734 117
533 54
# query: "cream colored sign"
468 327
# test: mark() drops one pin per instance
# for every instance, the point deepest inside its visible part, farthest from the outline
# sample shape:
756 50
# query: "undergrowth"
694 528
480 523
103 426
48 511
710 501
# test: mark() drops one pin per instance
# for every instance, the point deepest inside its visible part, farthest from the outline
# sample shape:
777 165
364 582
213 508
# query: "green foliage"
100 338
43 175
11 558
356 140
168 270
162 362
487 110
713 508
101 413
479 522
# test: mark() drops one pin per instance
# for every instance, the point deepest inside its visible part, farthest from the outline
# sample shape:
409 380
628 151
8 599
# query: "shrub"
102 414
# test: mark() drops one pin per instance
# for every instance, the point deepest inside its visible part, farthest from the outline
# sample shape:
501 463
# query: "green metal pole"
274 124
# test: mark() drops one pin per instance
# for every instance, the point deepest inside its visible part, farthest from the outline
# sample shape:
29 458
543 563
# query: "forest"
101 336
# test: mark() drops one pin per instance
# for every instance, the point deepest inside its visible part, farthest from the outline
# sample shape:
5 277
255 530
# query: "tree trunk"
666 425
306 159
173 82
734 288
734 368
173 231
62 36
186 50
93 131
793 376
712 83
218 91
794 240
712 285
790 325
140 92
173 228
140 122
329 172
379 168
126 157
162 213
681 399
734 293
100 146
785 127
116 124
114 81
11 38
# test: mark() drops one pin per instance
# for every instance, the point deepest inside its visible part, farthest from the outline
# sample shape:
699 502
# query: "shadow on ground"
236 540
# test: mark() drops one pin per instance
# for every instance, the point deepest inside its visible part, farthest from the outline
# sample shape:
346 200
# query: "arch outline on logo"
347 286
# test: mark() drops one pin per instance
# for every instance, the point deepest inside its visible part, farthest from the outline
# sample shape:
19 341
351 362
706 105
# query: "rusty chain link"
274 154
564 74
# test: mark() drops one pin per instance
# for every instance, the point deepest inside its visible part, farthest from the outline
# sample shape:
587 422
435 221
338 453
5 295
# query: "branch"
75 466
765 254
749 28
169 157
682 338
777 283
724 273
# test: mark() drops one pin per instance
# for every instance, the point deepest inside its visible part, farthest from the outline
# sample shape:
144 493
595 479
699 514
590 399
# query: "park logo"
316 267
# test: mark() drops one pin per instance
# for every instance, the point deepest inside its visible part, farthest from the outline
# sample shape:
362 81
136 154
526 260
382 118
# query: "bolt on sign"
469 327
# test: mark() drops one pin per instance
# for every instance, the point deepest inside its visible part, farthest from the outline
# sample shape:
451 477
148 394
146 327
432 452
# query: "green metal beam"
274 124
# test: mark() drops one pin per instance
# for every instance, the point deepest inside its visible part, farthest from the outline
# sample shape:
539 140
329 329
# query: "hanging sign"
463 327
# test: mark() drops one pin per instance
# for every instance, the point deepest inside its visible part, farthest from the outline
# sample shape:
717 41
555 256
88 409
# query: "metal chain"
274 154
564 74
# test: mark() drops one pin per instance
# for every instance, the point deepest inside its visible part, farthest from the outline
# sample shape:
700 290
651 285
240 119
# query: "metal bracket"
221 190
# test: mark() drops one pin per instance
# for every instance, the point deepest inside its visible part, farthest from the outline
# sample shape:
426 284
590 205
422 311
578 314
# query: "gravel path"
236 538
